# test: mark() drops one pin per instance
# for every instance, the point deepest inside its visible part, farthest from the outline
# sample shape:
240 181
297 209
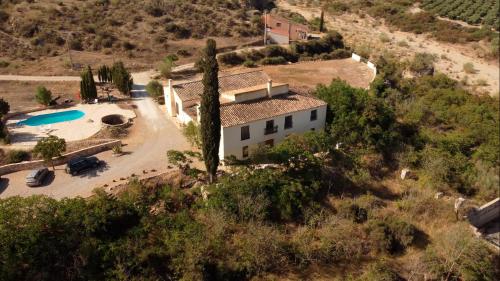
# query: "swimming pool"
52 118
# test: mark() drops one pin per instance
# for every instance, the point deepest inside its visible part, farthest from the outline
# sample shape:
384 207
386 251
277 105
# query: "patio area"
81 128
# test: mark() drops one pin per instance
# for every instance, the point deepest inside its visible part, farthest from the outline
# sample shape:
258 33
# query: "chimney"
270 88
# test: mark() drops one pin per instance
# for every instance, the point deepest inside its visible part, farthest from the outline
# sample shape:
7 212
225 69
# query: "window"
245 132
245 151
278 24
270 128
177 108
314 115
288 122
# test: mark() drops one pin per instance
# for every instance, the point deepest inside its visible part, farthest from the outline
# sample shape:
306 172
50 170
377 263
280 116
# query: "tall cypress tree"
88 90
322 21
210 110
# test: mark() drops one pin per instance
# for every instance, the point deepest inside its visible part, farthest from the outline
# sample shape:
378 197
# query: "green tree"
192 133
4 107
50 147
88 89
43 96
104 74
210 110
357 118
322 21
122 78
154 89
167 65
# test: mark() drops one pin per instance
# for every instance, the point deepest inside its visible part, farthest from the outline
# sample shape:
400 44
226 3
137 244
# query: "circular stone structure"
114 120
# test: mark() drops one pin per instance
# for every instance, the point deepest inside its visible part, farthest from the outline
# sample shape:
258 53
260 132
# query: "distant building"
254 111
279 30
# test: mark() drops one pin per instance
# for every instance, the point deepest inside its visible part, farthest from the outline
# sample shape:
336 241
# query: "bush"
43 96
273 61
380 271
249 63
4 63
391 235
16 156
192 133
231 58
340 54
273 51
154 89
469 68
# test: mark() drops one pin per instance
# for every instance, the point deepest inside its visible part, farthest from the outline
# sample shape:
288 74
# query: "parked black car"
77 165
36 177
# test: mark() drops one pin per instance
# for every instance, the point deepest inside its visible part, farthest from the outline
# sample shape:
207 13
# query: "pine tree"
88 90
210 110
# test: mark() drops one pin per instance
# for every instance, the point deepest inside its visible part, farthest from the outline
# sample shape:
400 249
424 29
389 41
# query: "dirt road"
451 57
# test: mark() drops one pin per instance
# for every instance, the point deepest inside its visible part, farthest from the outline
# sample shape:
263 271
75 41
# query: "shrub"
231 58
422 64
43 96
16 156
154 89
192 133
469 68
176 157
340 54
249 63
391 235
4 63
273 60
380 271
278 51
384 38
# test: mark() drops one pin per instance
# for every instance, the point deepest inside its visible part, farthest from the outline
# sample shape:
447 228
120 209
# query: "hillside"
36 35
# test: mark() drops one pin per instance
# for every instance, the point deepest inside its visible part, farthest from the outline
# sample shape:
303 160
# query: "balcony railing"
270 130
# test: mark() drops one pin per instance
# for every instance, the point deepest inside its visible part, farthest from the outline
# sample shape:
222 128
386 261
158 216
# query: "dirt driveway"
145 150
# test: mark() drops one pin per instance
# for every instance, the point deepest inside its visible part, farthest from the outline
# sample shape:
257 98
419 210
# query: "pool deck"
79 129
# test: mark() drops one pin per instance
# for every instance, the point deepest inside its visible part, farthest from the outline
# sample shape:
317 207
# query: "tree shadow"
49 179
421 239
95 172
4 183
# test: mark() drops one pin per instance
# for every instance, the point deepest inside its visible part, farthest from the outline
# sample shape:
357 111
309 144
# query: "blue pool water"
52 118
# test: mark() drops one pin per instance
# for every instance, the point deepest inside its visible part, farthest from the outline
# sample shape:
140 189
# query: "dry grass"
299 75
21 94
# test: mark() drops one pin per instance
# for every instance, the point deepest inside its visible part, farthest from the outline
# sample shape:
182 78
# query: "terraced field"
471 11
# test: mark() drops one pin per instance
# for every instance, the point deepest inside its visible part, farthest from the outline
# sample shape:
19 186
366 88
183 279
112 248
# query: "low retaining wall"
485 214
370 64
11 168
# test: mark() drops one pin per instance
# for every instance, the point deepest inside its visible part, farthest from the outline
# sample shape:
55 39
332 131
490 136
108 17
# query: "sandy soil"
299 75
138 61
451 57
21 94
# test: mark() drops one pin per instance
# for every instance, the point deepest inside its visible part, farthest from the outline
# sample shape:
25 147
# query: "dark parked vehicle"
36 177
77 165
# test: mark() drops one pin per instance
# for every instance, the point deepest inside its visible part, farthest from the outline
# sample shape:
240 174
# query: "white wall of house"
182 116
231 143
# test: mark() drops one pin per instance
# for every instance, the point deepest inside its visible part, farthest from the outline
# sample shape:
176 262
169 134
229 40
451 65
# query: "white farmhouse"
254 110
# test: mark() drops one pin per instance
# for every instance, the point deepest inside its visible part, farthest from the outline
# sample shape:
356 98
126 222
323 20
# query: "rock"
458 203
404 173
438 195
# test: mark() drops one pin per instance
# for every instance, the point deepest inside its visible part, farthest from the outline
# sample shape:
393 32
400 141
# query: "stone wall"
28 165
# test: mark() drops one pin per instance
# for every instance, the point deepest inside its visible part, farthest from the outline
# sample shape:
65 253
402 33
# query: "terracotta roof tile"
192 90
240 113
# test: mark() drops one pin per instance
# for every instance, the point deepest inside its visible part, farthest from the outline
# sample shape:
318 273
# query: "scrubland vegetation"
323 209
331 46
123 28
397 14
